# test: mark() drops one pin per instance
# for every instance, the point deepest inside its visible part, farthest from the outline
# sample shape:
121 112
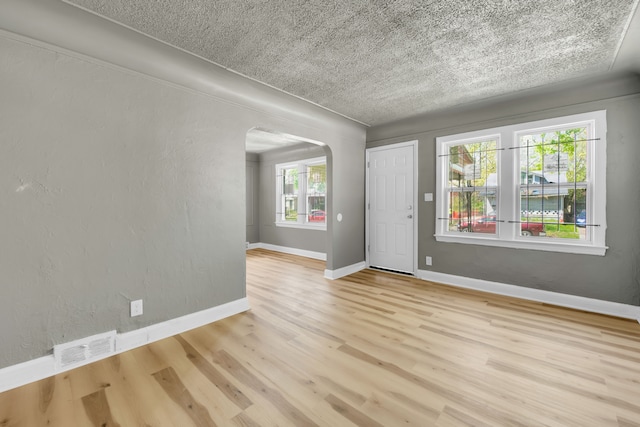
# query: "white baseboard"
43 367
27 372
292 251
139 337
344 271
626 311
328 274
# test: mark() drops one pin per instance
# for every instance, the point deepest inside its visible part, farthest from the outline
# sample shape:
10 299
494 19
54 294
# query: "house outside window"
538 185
301 193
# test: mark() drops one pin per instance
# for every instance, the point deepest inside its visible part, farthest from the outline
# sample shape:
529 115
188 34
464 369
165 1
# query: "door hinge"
368 248
368 205
368 164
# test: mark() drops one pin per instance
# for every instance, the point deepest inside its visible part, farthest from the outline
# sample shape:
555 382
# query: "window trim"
302 222
508 176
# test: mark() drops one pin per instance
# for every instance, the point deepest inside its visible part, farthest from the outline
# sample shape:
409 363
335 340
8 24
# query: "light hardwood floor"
371 349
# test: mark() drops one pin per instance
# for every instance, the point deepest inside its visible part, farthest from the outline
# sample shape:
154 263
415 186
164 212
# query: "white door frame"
414 145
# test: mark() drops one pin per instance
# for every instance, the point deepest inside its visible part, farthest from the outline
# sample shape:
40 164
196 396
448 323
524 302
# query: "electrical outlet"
136 308
429 260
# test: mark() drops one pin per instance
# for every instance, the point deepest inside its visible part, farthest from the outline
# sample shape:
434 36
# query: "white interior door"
391 210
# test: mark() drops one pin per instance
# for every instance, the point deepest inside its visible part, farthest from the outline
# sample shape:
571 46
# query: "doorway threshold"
390 270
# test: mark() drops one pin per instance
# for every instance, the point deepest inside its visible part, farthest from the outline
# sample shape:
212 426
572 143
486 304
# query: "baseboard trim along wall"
43 367
328 274
139 337
344 271
286 250
626 311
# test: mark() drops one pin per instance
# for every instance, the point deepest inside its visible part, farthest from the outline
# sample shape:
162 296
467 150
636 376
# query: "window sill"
318 227
530 243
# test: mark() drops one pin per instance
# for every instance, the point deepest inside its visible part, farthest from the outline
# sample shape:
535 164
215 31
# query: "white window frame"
302 222
508 173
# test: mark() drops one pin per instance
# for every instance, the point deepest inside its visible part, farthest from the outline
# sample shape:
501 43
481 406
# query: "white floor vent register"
84 350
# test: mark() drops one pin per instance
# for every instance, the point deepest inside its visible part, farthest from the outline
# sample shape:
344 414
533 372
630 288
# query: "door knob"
409 216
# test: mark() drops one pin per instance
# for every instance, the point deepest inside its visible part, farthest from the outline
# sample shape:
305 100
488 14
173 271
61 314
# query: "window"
538 185
301 193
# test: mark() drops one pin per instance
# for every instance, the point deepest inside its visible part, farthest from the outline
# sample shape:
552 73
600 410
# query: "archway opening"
289 182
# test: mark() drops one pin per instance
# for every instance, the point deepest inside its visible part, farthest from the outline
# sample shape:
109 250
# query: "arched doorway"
288 192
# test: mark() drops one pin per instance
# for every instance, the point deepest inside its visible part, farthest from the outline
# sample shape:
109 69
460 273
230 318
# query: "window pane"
316 191
554 157
290 204
290 194
473 165
316 179
472 183
553 173
473 211
316 209
290 181
552 213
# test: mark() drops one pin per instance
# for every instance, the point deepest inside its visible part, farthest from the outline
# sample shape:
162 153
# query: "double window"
538 185
301 198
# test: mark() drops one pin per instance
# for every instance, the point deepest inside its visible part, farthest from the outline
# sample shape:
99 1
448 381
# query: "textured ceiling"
380 61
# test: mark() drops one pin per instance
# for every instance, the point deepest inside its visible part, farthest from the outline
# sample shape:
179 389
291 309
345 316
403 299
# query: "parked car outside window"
487 224
316 215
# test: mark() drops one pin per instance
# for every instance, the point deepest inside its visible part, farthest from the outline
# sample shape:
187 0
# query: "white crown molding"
626 311
43 367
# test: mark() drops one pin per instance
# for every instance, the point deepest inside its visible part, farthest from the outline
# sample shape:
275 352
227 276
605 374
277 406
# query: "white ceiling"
382 61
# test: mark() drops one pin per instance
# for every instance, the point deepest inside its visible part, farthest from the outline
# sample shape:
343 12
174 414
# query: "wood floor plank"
234 394
133 381
372 348
623 422
244 420
272 395
453 417
119 395
200 387
179 393
55 400
351 413
98 409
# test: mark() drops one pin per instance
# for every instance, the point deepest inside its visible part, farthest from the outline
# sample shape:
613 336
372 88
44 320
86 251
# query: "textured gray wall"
614 277
115 185
310 240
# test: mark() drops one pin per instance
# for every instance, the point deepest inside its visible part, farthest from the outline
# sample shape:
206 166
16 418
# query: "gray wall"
253 211
614 277
310 240
117 185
